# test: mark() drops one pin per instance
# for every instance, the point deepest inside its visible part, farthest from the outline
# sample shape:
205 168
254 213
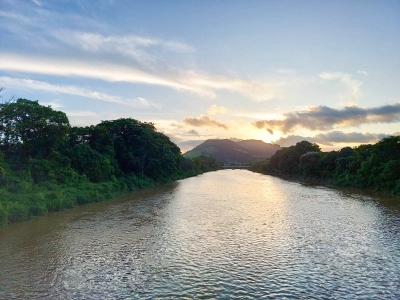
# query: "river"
230 234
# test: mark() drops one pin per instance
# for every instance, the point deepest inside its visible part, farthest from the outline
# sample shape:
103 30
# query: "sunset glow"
278 71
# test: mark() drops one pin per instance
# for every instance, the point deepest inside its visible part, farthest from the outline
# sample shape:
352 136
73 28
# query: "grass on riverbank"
31 200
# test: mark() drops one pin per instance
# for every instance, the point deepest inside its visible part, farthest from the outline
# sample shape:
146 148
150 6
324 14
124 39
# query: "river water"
230 234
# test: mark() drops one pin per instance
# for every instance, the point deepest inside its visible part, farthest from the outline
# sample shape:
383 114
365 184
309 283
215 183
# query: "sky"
278 71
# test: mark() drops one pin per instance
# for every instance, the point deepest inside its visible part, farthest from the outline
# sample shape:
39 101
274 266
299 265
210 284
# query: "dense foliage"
47 165
366 166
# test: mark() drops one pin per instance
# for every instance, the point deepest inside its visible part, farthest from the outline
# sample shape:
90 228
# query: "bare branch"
3 102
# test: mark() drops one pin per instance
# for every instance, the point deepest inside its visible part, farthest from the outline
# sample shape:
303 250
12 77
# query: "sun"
266 137
266 140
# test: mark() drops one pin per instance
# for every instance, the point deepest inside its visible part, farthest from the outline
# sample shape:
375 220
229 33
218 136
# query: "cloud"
54 104
188 144
193 132
292 140
103 69
346 79
204 121
37 2
215 109
285 71
330 138
137 47
184 138
112 57
352 137
146 103
76 113
91 69
73 90
326 118
129 45
17 17
362 72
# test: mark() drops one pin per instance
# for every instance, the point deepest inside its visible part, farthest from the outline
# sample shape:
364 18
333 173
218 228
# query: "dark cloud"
353 137
292 140
333 137
204 121
325 118
193 132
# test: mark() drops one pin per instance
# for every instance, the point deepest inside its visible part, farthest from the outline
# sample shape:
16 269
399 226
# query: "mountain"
230 152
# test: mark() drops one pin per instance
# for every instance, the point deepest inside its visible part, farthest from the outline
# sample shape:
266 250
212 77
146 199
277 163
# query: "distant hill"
230 152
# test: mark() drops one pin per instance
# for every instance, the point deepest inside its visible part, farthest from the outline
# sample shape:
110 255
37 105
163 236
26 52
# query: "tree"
287 160
30 129
309 163
139 148
88 161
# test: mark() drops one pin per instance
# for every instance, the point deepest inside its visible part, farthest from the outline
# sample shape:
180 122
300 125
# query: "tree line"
374 166
48 165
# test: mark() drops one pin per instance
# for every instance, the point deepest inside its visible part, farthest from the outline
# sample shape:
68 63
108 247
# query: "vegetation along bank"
47 165
374 167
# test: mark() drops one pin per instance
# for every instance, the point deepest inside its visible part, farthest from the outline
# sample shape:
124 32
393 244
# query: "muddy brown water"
230 234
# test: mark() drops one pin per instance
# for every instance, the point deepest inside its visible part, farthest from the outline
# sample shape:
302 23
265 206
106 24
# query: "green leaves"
287 160
366 166
30 129
138 147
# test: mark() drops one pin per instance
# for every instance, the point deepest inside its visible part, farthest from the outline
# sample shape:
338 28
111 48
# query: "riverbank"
330 183
35 200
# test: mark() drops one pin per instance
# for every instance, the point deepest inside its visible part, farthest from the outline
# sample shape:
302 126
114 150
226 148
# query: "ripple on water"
225 235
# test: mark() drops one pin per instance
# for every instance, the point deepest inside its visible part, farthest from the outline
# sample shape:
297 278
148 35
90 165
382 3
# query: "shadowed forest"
366 166
47 165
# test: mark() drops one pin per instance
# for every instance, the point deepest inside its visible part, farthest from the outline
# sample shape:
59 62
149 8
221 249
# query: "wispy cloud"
37 2
215 109
333 137
104 56
10 15
80 113
325 118
285 71
129 45
362 72
352 84
204 121
73 90
178 79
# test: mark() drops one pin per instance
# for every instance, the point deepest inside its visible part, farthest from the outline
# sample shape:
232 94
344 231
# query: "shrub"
18 212
3 216
54 201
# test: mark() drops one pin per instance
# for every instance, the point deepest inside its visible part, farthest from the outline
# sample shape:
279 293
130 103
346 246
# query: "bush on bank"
366 166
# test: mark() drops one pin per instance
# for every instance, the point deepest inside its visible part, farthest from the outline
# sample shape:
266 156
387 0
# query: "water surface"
230 234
